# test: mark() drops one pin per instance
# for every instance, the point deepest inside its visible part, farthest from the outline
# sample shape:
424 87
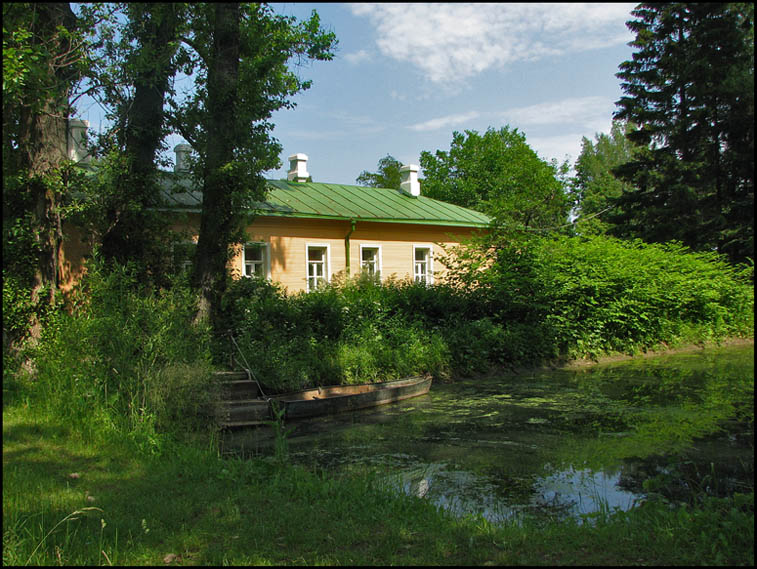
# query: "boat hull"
341 398
243 405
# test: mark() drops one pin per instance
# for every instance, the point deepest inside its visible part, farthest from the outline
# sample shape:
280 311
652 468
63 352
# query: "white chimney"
77 138
409 180
298 168
182 157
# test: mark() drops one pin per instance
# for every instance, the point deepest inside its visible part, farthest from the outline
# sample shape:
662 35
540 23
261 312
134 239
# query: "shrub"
129 359
587 296
610 295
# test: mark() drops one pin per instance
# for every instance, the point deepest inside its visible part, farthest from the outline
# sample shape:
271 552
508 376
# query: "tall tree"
220 183
43 56
388 175
142 68
594 185
690 89
240 55
499 174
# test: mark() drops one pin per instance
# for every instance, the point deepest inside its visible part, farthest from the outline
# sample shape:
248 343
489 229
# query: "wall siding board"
288 238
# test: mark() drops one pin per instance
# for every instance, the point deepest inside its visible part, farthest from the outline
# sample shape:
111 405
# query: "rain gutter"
353 223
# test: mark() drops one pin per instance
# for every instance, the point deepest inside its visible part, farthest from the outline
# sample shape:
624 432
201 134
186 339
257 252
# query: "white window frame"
378 257
326 262
186 264
429 262
266 250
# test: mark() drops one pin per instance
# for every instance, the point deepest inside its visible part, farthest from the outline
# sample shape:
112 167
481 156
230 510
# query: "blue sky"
405 76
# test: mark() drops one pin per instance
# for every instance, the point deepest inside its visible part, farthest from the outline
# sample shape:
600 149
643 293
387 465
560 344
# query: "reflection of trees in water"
692 475
482 446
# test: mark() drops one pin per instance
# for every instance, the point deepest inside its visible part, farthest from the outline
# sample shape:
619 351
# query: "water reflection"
550 443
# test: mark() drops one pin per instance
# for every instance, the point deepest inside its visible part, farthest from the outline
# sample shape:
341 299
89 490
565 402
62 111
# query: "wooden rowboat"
340 398
320 400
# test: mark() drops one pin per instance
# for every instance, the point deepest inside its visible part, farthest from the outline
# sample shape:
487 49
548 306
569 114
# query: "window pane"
420 265
183 254
316 266
253 253
254 260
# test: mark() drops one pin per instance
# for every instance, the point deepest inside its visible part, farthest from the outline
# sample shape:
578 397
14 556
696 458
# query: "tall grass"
127 359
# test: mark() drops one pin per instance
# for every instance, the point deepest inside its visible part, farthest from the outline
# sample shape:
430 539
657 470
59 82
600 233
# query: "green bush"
587 296
128 359
539 299
348 332
608 295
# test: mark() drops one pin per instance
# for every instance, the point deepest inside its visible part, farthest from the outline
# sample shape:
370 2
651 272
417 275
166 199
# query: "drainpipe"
347 245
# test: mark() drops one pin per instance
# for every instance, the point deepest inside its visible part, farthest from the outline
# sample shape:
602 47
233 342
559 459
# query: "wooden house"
305 233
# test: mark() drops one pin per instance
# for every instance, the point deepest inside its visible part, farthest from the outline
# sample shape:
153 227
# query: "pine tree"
690 89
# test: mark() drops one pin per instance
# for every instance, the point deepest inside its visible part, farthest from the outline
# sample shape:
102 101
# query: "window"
318 270
370 260
422 270
183 255
255 261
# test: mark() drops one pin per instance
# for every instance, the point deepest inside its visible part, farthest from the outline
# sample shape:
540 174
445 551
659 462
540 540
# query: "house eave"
290 215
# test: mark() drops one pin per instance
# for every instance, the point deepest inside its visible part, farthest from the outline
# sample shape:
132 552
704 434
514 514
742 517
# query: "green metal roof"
338 201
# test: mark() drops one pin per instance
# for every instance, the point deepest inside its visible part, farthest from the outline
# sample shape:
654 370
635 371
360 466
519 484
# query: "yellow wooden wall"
288 239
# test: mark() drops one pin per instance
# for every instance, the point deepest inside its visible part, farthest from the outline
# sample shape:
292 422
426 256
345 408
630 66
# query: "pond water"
555 443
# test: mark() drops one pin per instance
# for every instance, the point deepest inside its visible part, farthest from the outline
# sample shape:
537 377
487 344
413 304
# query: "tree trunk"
219 184
130 235
42 143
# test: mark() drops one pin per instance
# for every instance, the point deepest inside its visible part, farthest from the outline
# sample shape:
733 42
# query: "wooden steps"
241 405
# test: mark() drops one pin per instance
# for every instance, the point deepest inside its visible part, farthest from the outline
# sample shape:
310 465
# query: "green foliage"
19 307
499 174
595 186
607 295
127 359
539 299
388 175
350 332
690 90
588 296
268 43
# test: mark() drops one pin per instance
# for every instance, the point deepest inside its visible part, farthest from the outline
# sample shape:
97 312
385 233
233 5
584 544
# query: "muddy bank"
653 353
610 358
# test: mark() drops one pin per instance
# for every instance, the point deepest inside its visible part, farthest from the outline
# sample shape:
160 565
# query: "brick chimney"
298 168
409 180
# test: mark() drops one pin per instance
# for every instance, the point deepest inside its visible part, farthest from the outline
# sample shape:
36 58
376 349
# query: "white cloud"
558 147
397 96
443 122
357 57
451 42
585 111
